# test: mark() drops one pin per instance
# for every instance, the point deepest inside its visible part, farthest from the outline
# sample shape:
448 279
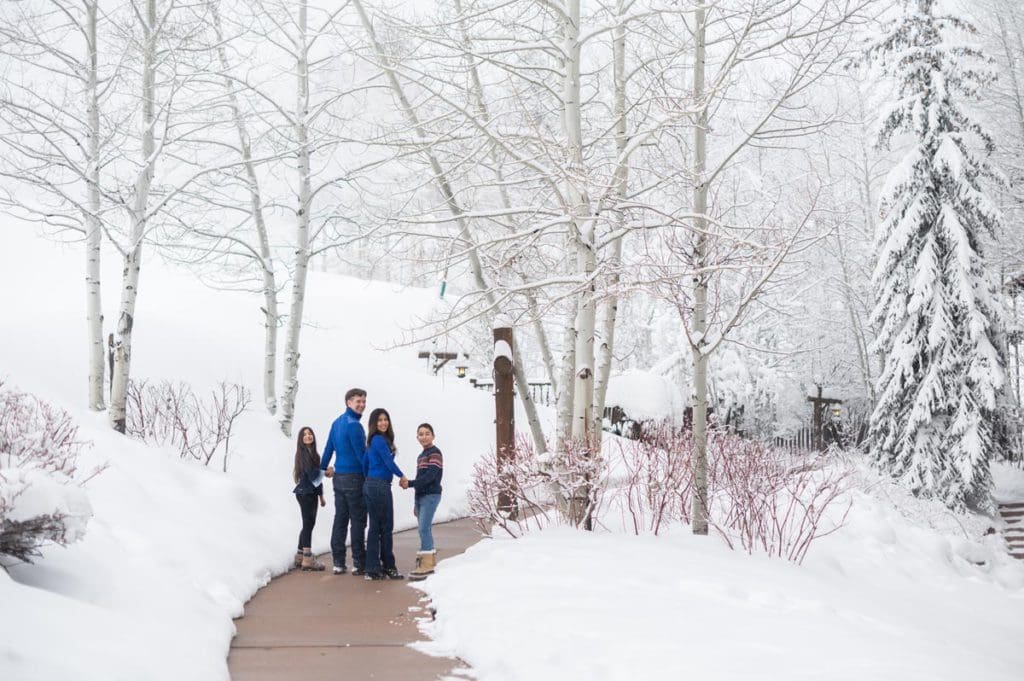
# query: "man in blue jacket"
348 441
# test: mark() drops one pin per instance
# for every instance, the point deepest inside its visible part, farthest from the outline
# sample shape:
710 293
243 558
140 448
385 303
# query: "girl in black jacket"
309 488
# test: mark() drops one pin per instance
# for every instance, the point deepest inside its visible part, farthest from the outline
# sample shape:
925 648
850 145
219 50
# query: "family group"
363 471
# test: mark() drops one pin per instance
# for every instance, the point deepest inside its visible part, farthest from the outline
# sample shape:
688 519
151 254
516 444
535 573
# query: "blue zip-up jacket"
380 460
348 439
429 469
310 479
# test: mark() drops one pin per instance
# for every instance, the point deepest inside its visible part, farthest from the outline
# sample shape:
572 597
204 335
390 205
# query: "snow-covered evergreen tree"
936 308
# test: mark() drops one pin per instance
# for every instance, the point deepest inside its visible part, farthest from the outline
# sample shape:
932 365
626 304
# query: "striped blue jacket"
429 469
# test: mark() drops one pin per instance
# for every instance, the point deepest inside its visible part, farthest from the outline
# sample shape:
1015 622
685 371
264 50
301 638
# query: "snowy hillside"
174 549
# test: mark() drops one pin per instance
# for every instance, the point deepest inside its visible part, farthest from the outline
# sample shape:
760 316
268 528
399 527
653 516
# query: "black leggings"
307 504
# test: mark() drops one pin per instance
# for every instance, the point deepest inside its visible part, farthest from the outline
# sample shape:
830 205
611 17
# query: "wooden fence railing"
540 391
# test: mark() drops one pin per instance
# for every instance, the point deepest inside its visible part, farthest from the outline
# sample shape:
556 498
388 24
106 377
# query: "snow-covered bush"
168 414
40 501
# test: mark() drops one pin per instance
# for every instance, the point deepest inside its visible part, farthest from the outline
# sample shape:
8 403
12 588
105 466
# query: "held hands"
404 482
329 472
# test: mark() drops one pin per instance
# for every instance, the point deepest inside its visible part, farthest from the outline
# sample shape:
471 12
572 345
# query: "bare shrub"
35 434
535 486
40 502
173 415
657 481
759 498
769 501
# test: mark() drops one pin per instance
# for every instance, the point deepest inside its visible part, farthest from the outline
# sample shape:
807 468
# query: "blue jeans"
380 508
426 506
349 508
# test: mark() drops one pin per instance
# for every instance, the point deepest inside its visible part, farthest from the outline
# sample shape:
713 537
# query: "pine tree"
937 311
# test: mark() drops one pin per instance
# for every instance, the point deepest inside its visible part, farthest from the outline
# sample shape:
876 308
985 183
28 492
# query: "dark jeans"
307 505
381 510
349 507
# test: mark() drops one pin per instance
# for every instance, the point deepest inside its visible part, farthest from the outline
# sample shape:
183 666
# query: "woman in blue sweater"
380 469
308 490
429 469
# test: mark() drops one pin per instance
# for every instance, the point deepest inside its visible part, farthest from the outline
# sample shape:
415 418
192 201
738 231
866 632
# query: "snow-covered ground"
174 550
905 591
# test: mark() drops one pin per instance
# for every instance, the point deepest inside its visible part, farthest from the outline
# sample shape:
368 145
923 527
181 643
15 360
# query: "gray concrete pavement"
315 625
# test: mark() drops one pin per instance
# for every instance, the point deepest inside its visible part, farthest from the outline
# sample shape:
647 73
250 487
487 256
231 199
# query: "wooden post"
820 404
504 411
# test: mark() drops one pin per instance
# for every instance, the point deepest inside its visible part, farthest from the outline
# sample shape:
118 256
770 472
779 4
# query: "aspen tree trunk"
465 229
621 180
863 357
571 387
581 369
133 255
270 310
868 200
583 400
93 232
607 343
699 512
566 384
291 354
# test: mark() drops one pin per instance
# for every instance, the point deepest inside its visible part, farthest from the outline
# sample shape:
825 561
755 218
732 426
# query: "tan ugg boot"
425 563
310 563
297 563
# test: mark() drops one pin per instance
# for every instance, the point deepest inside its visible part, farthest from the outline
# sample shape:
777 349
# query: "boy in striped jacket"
429 469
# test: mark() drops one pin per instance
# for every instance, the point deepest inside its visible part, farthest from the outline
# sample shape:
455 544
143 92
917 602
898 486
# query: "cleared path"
315 625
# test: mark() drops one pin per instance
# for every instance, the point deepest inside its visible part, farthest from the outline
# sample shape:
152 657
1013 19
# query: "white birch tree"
305 132
170 110
732 44
51 149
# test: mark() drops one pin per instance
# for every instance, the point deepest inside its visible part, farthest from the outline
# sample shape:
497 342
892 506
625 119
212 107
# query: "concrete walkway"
315 625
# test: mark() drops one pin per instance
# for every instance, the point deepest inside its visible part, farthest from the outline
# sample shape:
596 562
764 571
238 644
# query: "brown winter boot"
310 563
425 562
297 563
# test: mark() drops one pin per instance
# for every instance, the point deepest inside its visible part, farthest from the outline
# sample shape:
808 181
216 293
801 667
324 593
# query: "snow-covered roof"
641 394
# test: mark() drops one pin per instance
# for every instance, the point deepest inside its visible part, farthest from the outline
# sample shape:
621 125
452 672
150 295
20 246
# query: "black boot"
393 573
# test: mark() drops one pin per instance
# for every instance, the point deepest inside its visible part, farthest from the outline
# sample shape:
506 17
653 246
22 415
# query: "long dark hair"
389 434
305 456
